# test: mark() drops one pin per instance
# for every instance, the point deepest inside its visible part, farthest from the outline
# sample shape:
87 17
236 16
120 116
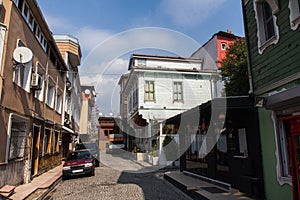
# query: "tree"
234 69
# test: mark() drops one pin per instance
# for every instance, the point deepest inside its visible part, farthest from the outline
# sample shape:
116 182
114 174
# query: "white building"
159 87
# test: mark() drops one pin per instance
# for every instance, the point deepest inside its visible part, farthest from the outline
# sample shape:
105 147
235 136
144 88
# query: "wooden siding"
70 47
277 61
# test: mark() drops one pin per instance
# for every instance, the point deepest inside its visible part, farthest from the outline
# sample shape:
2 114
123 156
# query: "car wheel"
64 177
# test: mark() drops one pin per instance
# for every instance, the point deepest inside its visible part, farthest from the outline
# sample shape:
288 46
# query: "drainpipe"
248 50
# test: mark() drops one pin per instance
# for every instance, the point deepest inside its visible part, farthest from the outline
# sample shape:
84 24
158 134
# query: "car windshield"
79 155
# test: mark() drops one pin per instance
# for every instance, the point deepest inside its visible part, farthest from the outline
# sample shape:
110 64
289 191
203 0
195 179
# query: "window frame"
2 35
294 6
17 119
177 92
47 140
58 101
281 152
39 94
223 48
262 41
32 23
268 21
148 92
51 90
24 80
141 62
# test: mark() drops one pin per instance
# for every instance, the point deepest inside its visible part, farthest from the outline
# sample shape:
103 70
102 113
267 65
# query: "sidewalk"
39 186
200 189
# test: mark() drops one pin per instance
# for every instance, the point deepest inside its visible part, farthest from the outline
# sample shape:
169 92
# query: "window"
141 62
177 91
50 93
135 96
149 91
2 35
39 94
268 32
294 6
284 154
22 75
58 101
17 138
223 46
130 103
30 21
29 18
268 21
47 141
25 11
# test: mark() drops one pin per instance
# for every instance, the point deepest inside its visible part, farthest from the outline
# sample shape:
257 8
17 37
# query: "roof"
163 58
84 87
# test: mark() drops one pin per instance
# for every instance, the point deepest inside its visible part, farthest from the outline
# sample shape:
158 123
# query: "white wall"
195 92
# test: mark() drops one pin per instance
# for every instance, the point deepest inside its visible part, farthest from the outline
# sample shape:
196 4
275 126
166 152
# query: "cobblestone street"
112 184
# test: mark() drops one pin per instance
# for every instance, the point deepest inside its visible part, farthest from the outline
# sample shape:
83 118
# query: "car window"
80 146
79 155
84 154
86 146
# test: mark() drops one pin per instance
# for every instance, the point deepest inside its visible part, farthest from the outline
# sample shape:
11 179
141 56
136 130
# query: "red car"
79 162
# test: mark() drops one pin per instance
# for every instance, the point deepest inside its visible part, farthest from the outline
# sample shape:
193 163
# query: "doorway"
294 143
35 149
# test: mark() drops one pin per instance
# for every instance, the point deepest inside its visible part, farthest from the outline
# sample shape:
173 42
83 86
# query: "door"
35 150
295 156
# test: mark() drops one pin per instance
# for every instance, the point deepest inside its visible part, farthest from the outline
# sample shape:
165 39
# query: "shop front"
285 107
234 158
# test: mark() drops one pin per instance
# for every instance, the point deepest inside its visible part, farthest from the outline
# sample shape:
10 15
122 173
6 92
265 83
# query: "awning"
287 99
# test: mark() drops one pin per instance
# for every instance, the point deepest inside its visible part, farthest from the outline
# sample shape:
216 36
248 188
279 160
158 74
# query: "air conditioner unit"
36 82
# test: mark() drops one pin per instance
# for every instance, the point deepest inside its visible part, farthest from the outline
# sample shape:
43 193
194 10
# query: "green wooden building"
273 40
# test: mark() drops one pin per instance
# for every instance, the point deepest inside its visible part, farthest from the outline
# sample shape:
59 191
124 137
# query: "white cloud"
59 25
189 12
89 37
105 79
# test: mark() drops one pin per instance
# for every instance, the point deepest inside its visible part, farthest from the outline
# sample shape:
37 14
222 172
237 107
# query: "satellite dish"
22 55
87 91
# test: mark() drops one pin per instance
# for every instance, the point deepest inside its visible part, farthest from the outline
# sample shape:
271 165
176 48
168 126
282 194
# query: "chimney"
229 31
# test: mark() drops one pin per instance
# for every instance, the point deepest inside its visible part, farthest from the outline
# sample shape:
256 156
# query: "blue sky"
95 21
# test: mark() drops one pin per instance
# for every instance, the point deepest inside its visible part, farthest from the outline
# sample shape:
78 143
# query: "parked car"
79 162
93 148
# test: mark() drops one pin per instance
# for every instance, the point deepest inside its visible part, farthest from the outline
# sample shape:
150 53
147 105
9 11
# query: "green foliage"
234 69
167 140
154 151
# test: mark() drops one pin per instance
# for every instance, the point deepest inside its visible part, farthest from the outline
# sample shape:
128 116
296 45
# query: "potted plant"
154 156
